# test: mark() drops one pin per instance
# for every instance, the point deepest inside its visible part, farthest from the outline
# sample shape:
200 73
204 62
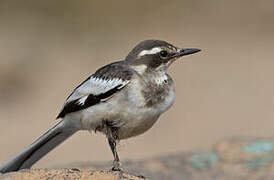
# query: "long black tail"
39 148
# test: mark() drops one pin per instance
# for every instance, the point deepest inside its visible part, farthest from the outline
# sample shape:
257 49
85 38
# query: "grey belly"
136 127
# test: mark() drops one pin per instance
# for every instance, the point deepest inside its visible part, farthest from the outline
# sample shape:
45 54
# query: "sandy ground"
48 48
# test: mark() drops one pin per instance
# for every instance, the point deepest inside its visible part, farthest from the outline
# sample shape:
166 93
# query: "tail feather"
34 152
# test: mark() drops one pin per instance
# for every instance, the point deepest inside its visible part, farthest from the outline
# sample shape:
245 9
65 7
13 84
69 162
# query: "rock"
69 174
237 159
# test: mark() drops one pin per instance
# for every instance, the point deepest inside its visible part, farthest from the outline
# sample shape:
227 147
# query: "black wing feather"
108 72
91 100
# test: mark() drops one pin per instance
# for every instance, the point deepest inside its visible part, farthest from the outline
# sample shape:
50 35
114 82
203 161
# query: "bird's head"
156 55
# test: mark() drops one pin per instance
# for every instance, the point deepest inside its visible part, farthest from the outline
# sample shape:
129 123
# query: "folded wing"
99 87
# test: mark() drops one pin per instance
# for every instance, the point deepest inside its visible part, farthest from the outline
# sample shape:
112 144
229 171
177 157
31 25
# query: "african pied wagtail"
122 99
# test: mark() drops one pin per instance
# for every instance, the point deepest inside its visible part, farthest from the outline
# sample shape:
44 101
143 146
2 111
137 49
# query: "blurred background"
48 47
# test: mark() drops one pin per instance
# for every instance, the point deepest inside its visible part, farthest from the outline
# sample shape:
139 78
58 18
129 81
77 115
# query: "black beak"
187 51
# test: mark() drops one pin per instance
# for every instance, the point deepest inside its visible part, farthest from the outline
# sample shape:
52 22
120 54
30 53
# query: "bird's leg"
111 133
116 162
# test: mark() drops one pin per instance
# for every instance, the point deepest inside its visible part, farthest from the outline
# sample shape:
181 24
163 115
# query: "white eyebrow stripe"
151 51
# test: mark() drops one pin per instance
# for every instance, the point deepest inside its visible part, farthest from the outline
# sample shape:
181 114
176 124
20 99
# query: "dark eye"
163 53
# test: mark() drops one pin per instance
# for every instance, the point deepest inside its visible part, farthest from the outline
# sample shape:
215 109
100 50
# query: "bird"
122 99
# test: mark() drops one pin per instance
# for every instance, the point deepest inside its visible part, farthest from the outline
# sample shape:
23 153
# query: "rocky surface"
237 159
72 173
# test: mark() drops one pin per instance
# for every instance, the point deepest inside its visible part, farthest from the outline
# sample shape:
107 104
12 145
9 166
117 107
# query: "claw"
116 169
116 166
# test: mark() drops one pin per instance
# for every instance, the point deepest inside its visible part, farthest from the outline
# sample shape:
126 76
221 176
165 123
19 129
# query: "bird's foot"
116 166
